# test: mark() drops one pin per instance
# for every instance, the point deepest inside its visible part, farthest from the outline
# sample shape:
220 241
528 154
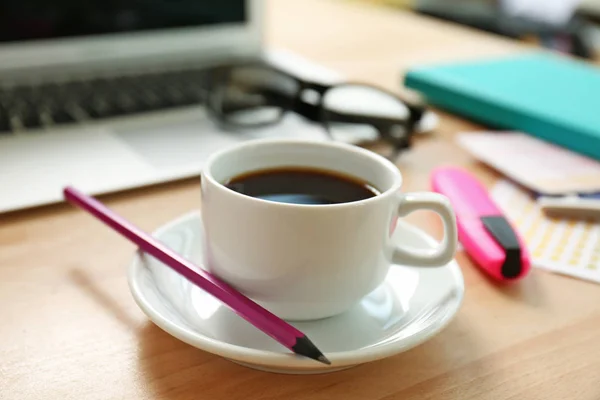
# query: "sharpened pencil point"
324 360
306 348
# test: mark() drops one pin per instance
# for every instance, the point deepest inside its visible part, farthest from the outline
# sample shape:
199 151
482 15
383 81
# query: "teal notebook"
545 95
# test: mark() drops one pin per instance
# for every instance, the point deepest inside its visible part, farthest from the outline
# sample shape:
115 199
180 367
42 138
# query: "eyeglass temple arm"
376 121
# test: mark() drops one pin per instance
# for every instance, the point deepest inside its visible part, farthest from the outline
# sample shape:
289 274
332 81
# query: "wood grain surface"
71 330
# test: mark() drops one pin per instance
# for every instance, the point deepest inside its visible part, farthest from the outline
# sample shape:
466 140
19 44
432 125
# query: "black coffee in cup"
302 186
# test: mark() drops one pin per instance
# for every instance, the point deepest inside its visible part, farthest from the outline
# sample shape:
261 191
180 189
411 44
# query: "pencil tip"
306 348
324 360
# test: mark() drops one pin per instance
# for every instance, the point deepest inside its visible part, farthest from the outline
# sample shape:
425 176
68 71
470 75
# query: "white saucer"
411 306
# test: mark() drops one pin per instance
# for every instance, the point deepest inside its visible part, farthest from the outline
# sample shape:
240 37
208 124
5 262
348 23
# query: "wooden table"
70 328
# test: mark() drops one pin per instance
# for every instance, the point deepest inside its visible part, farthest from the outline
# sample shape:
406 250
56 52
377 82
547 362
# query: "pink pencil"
264 320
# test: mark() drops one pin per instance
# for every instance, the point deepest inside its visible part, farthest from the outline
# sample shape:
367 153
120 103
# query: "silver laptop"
106 95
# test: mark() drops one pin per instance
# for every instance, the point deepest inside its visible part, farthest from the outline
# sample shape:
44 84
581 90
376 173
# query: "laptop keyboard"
44 105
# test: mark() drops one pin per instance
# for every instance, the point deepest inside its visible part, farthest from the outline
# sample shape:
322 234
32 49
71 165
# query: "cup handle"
443 253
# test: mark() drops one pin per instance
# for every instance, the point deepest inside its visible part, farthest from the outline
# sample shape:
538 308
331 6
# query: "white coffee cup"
311 261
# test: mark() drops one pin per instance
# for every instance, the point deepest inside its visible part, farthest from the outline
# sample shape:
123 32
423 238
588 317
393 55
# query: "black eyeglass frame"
316 112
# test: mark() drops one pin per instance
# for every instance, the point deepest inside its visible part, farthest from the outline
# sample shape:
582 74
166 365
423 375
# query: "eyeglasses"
256 95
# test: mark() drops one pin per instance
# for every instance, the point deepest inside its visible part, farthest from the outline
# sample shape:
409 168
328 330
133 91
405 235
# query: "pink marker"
485 233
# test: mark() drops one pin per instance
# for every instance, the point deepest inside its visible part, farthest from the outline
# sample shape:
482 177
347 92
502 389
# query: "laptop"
107 95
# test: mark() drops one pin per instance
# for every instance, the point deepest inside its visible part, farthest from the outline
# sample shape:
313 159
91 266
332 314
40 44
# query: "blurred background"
114 95
569 26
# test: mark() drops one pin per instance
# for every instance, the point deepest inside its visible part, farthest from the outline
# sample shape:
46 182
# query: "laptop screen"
23 20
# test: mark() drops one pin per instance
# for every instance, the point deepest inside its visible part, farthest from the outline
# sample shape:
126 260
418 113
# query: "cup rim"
206 173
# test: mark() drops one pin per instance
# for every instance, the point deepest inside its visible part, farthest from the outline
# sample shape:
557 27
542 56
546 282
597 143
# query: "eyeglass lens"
251 96
362 112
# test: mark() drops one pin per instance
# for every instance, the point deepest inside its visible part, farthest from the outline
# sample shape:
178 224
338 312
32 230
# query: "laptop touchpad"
177 145
35 167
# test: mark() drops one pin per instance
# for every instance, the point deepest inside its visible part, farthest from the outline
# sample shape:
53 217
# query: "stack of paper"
542 167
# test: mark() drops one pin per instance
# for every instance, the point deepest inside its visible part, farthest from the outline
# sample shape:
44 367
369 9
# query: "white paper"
535 164
569 247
